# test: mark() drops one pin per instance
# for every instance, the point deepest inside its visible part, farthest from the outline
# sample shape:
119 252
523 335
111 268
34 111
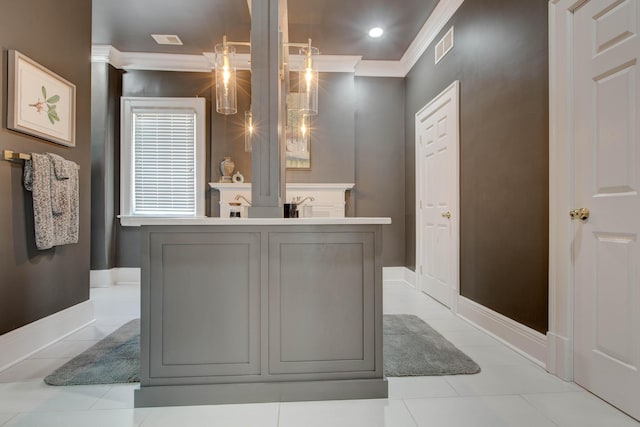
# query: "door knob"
446 215
581 214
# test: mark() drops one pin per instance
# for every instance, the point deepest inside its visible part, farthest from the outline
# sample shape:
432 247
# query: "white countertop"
138 221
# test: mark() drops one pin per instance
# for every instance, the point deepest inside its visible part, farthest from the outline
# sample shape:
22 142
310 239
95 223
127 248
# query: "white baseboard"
114 276
128 276
520 338
560 356
410 277
101 278
399 274
21 343
393 274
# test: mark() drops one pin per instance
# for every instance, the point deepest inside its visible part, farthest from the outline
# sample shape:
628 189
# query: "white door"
606 182
437 215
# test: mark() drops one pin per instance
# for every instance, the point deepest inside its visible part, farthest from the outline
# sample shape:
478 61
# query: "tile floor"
510 390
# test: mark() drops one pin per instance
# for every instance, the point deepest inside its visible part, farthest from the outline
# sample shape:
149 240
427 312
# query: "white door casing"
437 197
606 253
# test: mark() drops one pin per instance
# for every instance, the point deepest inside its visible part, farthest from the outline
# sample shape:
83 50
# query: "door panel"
614 296
614 121
605 247
437 195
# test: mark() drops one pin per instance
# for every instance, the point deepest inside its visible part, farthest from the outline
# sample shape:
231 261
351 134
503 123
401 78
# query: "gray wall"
501 60
333 136
106 84
379 163
343 148
332 133
35 284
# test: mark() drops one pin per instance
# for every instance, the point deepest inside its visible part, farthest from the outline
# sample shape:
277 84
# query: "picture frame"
40 102
297 136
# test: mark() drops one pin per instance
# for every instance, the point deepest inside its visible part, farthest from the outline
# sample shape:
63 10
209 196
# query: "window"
162 158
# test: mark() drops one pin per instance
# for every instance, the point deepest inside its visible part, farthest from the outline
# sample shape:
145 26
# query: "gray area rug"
115 359
411 348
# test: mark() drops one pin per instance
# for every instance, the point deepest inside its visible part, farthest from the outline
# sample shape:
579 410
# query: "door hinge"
420 204
421 270
420 139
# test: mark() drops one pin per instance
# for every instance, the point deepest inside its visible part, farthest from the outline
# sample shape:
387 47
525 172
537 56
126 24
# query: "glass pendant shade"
226 95
305 132
298 126
308 83
248 131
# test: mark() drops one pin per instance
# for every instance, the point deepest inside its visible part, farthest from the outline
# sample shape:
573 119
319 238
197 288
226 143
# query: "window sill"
138 220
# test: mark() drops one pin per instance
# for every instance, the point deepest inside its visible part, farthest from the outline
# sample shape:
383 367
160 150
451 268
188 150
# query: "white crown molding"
427 34
150 61
326 63
242 61
163 62
368 68
205 62
100 53
107 54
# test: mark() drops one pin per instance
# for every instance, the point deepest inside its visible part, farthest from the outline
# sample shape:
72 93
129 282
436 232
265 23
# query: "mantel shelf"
323 199
291 185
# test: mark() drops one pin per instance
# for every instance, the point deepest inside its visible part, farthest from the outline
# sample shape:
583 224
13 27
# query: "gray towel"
61 171
59 229
61 167
37 180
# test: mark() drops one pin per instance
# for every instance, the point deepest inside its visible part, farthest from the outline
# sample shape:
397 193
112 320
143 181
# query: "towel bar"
12 155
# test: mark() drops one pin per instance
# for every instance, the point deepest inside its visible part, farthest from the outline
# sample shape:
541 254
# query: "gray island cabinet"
261 310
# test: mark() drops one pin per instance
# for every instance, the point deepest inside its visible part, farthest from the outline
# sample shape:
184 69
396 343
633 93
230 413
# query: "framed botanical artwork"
41 103
298 139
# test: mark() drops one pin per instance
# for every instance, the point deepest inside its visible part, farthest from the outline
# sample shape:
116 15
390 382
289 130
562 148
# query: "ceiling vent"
167 39
444 45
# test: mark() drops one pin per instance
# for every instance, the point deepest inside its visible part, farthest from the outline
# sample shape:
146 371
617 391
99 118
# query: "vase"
226 168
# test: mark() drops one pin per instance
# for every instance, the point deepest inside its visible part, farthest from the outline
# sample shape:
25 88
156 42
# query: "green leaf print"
50 104
54 114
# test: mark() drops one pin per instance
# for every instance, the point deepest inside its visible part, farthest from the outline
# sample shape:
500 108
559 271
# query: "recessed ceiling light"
376 32
167 39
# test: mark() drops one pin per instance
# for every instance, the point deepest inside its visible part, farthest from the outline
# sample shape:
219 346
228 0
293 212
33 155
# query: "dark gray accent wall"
501 59
332 135
106 86
379 164
35 284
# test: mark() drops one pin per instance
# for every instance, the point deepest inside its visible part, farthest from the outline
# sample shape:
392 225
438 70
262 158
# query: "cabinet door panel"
205 300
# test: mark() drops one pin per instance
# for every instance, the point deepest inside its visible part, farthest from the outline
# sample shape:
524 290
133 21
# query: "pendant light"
308 81
226 95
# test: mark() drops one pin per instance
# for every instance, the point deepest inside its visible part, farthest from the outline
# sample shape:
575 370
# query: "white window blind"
164 156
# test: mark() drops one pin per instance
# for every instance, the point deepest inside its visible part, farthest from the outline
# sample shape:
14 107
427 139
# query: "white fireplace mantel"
329 199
